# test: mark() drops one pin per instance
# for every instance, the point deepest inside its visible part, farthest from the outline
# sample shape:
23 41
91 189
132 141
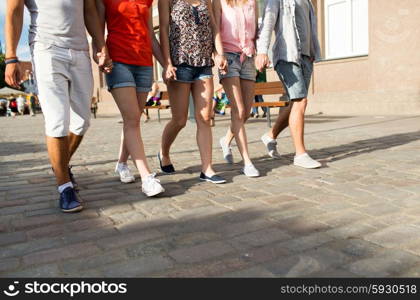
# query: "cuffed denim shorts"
124 75
244 70
189 74
296 78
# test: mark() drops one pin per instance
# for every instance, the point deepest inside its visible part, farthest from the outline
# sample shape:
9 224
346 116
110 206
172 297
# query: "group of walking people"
195 36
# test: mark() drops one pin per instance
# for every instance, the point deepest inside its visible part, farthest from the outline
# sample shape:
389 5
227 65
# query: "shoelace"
153 180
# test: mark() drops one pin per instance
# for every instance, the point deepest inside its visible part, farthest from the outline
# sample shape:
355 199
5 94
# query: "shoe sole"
154 193
310 168
73 210
127 181
251 176
215 182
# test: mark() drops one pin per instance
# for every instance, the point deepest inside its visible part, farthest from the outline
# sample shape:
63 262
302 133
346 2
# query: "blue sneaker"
69 201
213 179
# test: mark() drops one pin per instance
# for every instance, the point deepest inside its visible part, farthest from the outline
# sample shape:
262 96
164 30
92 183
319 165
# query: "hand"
104 61
169 73
221 63
261 62
12 75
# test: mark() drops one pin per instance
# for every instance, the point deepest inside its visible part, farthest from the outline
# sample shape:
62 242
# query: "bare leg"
282 121
297 125
248 89
123 155
128 104
74 142
293 116
233 90
202 91
179 98
58 152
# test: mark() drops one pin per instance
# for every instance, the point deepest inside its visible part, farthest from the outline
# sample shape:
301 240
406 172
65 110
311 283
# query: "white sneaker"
305 161
151 186
271 145
124 172
250 171
227 151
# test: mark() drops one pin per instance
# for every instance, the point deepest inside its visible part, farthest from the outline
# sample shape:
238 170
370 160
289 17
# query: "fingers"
173 73
13 76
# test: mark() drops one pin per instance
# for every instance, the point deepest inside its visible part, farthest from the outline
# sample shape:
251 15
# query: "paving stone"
138 267
124 239
82 264
58 254
253 272
259 238
307 263
394 236
12 238
45 271
201 252
357 216
390 263
9 264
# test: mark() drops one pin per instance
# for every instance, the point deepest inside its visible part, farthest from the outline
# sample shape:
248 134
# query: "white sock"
62 187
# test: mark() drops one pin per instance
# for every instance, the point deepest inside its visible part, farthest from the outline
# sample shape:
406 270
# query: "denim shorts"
296 78
124 75
245 70
189 74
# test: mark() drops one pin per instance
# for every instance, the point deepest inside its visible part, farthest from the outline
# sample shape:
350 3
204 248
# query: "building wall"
386 81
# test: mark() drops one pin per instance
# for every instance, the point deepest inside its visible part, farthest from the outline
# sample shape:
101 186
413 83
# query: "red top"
128 39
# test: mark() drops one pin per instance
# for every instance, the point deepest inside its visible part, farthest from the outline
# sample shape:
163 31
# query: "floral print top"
190 34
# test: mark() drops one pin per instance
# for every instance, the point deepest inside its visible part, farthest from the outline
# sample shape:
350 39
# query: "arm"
256 20
164 14
215 12
13 30
271 13
157 51
95 26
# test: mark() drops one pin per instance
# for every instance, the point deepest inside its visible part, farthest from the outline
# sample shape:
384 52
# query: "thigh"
293 80
202 92
143 77
127 102
141 100
51 73
232 87
248 93
234 66
81 86
179 93
307 70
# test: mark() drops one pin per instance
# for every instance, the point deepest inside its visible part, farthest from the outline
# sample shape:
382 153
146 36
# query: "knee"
179 123
240 116
203 119
132 122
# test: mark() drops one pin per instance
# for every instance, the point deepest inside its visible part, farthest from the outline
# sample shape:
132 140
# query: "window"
346 28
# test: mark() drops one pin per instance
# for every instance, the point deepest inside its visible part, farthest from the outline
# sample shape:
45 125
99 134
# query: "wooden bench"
270 88
261 88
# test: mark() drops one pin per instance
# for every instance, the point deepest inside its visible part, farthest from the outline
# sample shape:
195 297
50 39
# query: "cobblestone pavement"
357 216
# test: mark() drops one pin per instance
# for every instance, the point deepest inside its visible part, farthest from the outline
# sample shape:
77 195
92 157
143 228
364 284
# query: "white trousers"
65 88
